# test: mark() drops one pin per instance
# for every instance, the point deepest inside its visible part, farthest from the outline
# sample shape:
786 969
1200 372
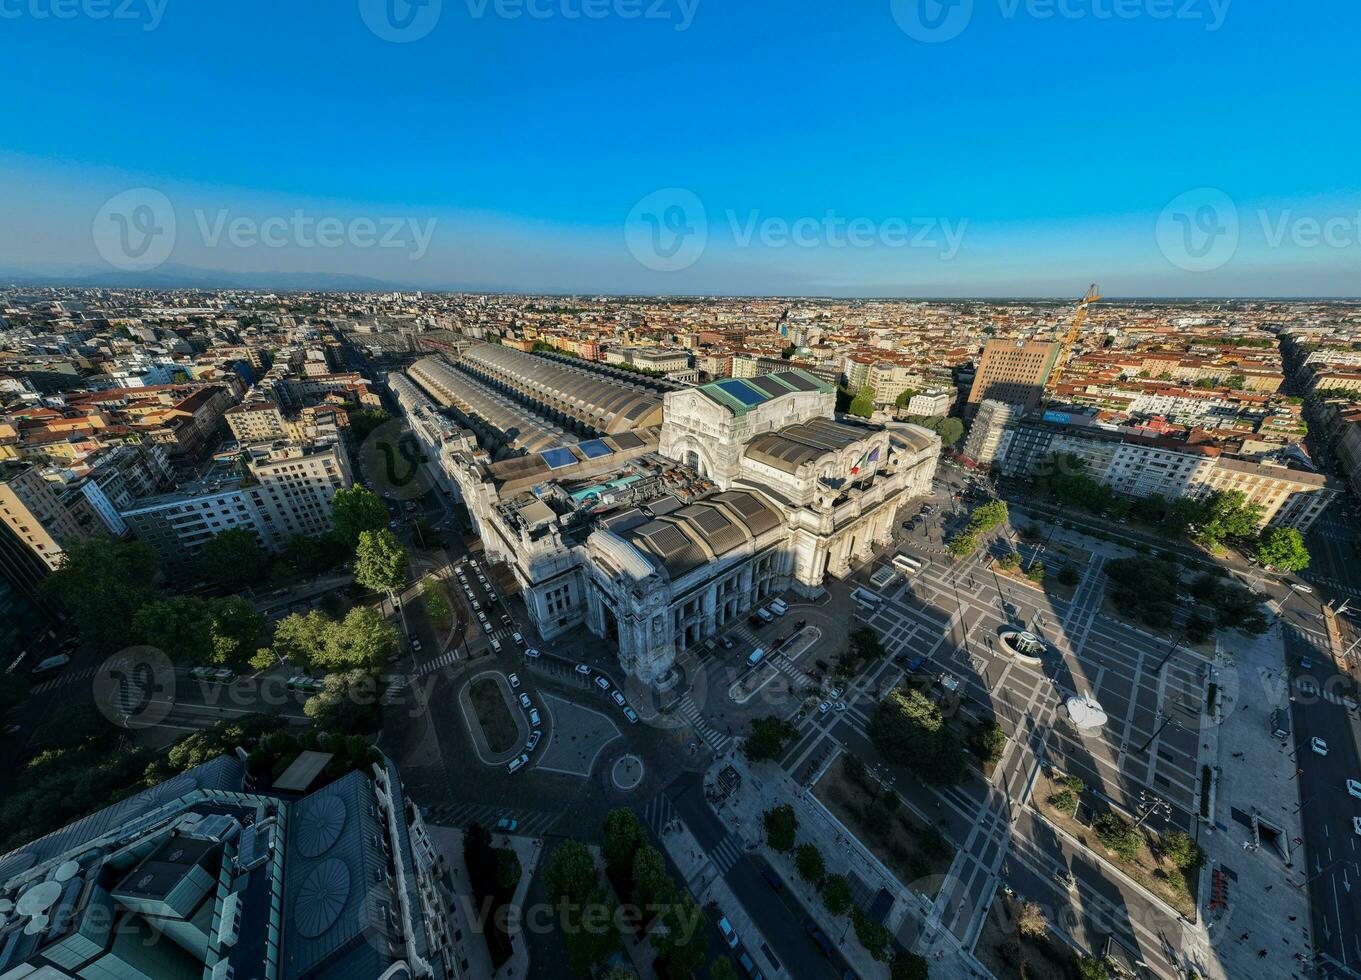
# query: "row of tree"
985 518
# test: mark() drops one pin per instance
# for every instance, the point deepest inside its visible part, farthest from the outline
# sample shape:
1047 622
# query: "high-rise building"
29 506
988 432
1014 373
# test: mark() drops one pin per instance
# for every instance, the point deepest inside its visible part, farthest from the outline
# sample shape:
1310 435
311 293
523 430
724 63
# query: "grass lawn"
498 725
1146 868
902 846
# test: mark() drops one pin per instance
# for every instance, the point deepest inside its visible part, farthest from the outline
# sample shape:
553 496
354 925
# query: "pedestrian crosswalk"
1337 585
443 660
530 823
61 680
1309 689
726 853
658 813
715 739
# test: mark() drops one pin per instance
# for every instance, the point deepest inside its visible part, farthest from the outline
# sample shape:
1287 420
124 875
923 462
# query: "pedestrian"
1242 937
1269 887
1292 918
1261 954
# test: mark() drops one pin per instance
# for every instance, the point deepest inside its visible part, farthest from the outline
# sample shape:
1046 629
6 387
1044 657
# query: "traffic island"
496 727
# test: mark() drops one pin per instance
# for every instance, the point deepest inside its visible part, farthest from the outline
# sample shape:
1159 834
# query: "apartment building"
31 509
1136 464
279 490
933 401
256 421
1013 372
989 432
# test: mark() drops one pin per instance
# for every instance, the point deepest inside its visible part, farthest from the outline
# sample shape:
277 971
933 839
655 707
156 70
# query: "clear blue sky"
1049 146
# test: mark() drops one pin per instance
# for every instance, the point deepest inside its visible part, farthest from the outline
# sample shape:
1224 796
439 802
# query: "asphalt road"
779 917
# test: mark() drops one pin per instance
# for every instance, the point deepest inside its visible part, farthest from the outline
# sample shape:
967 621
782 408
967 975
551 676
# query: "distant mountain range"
170 276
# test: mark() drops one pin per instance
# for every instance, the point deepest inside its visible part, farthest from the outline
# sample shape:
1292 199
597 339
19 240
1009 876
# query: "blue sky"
1031 152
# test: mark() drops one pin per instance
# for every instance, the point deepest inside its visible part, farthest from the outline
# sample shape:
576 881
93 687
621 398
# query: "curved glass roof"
510 424
685 539
606 404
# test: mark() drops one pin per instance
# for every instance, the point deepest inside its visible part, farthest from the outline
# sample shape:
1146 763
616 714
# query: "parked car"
495 645
519 762
524 701
618 698
601 683
1354 788
749 967
519 640
729 933
533 652
507 825
514 680
726 642
533 742
631 715
534 717
582 669
1319 746
819 937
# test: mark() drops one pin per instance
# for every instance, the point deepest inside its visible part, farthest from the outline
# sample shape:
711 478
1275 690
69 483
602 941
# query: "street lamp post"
1144 748
1180 640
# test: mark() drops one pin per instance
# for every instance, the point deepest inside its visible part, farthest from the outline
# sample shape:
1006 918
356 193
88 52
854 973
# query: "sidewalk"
1255 778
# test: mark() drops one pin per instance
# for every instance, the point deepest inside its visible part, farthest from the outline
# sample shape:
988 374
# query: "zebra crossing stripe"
691 713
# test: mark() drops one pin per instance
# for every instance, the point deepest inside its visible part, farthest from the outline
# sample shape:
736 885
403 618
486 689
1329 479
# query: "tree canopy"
102 583
380 562
1282 548
355 510
232 560
197 631
767 739
863 403
363 639
781 824
909 729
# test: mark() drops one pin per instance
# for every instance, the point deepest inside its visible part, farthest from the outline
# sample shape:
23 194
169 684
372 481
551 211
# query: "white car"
618 698
1356 825
514 680
524 701
533 742
825 707
582 669
534 716
519 640
631 715
1318 745
1354 788
601 683
533 652
518 762
1301 587
730 934
495 645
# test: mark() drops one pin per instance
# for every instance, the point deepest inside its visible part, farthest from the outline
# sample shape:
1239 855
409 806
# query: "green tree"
962 545
872 935
308 556
906 396
988 516
1282 548
362 639
908 728
355 510
908 966
1068 575
1228 515
950 430
836 894
1116 834
233 559
863 403
1178 847
571 874
652 886
680 944
301 638
347 704
988 741
193 630
380 562
364 421
624 835
1092 968
722 969
808 862
767 739
781 825
102 583
1035 572
507 869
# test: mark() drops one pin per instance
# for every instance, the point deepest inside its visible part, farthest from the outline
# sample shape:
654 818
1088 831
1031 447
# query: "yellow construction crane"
1074 329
